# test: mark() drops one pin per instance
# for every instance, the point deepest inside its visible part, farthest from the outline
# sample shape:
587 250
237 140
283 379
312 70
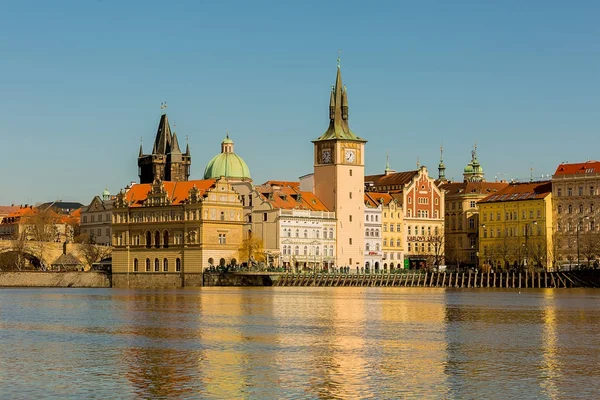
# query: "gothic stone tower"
166 162
339 177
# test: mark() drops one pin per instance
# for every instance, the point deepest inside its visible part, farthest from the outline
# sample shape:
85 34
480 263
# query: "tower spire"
441 166
141 151
338 111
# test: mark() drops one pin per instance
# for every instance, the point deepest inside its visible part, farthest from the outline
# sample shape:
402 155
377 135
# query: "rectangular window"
472 204
385 227
591 190
580 191
222 238
350 194
350 241
391 227
558 192
265 217
570 192
350 218
398 228
350 172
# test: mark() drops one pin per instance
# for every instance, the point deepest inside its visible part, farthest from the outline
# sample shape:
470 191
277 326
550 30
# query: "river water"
275 343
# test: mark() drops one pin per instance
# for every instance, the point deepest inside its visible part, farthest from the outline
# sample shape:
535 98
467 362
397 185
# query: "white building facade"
373 237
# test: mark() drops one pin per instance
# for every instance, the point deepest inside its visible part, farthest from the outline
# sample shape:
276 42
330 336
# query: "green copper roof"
227 140
228 165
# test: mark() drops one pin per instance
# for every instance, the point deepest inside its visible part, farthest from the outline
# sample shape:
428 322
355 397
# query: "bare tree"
538 253
41 226
92 253
454 253
19 243
589 246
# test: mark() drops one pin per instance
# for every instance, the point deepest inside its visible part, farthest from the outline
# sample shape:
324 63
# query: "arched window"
297 250
135 265
391 242
297 232
581 209
330 233
330 251
305 250
148 239
559 210
324 233
157 239
367 247
376 246
317 251
147 265
317 233
156 265
570 209
305 233
165 265
166 239
178 265
398 243
376 232
592 207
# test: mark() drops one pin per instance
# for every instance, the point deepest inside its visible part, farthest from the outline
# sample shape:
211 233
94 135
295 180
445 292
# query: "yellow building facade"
515 228
168 233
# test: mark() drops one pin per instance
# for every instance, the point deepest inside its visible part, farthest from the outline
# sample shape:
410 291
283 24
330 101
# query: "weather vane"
338 58
163 105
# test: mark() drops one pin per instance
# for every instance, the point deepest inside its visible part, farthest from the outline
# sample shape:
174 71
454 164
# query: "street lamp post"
526 240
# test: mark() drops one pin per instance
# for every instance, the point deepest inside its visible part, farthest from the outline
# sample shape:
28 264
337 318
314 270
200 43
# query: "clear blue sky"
82 81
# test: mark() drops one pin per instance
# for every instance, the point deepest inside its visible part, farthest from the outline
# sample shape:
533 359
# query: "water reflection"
330 343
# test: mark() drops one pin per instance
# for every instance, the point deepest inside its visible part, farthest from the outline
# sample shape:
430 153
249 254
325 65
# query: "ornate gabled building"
96 219
167 233
422 205
339 164
166 162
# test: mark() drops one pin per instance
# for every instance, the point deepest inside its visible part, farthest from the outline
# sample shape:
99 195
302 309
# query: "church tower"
166 162
339 177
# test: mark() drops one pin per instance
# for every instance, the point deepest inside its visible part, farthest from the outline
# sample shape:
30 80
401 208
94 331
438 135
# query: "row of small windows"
392 215
571 227
368 247
416 247
93 218
398 227
512 231
513 216
398 242
570 208
287 232
372 218
422 213
306 251
157 265
580 191
409 230
391 257
372 232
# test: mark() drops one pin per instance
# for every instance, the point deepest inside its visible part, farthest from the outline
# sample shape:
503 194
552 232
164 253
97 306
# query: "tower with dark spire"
166 162
339 176
441 166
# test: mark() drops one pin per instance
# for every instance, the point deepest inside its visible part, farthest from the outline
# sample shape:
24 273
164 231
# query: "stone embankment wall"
233 279
55 279
155 280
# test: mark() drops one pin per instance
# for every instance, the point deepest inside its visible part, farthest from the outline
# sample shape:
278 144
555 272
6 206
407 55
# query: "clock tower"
339 177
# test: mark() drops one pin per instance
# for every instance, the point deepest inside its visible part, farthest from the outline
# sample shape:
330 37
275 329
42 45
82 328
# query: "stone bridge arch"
49 251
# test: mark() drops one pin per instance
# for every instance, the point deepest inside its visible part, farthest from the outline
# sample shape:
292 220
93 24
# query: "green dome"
229 165
468 169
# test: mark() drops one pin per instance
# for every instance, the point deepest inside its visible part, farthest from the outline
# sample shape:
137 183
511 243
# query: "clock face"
350 156
326 156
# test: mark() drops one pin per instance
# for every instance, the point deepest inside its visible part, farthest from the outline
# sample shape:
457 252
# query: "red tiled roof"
5 210
289 196
588 167
177 192
521 191
393 179
295 185
456 188
373 199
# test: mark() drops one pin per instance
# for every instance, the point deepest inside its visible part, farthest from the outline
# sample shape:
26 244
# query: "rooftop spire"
175 147
441 166
187 146
338 111
141 151
162 143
